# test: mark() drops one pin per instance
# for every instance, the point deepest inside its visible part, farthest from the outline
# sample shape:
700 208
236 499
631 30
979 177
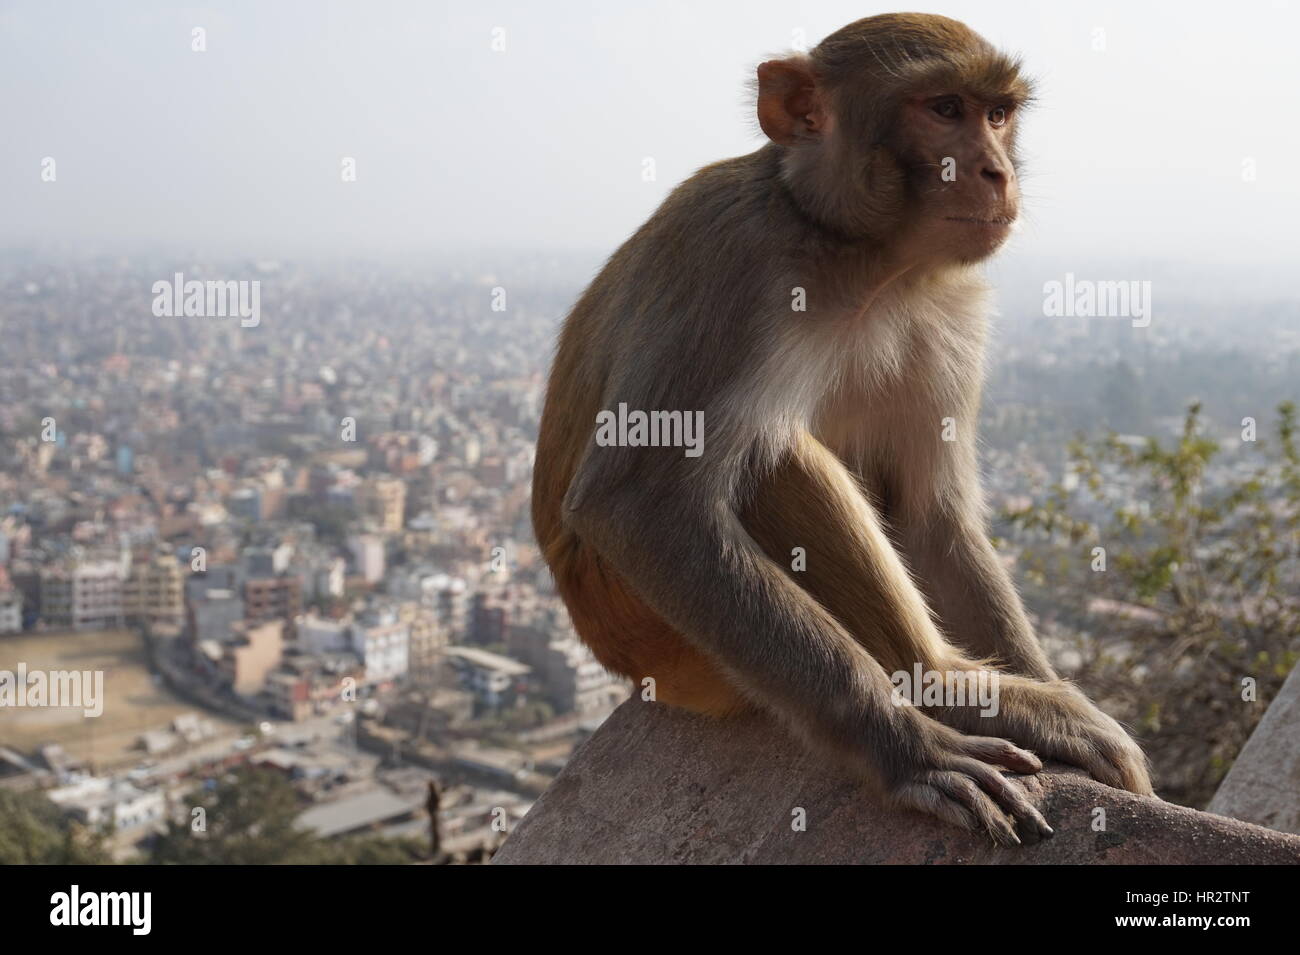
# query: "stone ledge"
657 785
1263 785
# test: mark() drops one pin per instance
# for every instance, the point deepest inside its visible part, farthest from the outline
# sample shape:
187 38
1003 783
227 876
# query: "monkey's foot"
962 787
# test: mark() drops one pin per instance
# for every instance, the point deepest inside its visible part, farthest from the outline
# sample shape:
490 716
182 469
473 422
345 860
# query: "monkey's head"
901 127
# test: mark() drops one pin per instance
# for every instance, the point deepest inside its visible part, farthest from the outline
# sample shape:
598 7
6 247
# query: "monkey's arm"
684 550
978 605
941 526
970 589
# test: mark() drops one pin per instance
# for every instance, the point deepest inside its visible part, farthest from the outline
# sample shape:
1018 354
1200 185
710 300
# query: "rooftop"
357 812
487 660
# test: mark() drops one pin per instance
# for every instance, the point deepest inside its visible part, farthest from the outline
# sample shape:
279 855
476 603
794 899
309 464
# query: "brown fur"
823 432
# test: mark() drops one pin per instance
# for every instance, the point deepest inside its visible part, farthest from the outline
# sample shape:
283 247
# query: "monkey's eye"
949 108
998 116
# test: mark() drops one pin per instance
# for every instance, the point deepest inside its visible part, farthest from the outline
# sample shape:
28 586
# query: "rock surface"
658 785
1263 785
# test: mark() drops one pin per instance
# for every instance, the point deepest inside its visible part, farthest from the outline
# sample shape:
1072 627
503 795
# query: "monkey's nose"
994 173
999 178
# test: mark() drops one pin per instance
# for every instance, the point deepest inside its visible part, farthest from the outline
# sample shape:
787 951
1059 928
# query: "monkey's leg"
689 558
628 637
813 502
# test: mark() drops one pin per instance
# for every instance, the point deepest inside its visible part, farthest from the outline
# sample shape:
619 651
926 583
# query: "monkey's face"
961 178
900 129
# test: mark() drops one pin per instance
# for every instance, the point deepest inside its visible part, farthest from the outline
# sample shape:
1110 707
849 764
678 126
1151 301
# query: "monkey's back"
641 305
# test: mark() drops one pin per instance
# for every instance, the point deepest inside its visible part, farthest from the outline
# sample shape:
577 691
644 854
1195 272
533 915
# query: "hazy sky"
1137 150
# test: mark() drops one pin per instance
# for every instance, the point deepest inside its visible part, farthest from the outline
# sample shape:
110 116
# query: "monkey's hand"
1057 721
954 778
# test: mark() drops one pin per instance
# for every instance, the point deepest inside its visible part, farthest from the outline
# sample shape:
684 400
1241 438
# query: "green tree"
248 819
34 831
251 819
377 850
1200 587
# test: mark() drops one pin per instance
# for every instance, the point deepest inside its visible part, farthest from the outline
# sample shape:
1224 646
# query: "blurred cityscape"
305 545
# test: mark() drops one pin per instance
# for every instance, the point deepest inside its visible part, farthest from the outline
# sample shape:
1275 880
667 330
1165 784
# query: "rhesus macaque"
845 427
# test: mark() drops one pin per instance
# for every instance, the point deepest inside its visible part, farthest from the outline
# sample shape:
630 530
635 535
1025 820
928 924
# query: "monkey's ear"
790 105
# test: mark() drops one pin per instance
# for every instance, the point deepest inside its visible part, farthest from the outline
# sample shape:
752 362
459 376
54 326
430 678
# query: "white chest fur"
912 361
869 382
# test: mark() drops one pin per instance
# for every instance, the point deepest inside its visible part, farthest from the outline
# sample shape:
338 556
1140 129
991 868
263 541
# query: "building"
267 561
368 556
251 656
381 640
428 639
322 575
153 591
82 595
289 694
364 811
104 802
330 577
272 598
25 577
564 669
495 681
307 685
574 681
11 611
495 611
446 596
383 500
214 613
317 635
489 619
226 577
430 712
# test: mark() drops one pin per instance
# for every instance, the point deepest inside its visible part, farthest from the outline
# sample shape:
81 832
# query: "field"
133 703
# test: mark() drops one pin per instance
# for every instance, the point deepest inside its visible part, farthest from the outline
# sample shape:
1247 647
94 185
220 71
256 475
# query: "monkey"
888 177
